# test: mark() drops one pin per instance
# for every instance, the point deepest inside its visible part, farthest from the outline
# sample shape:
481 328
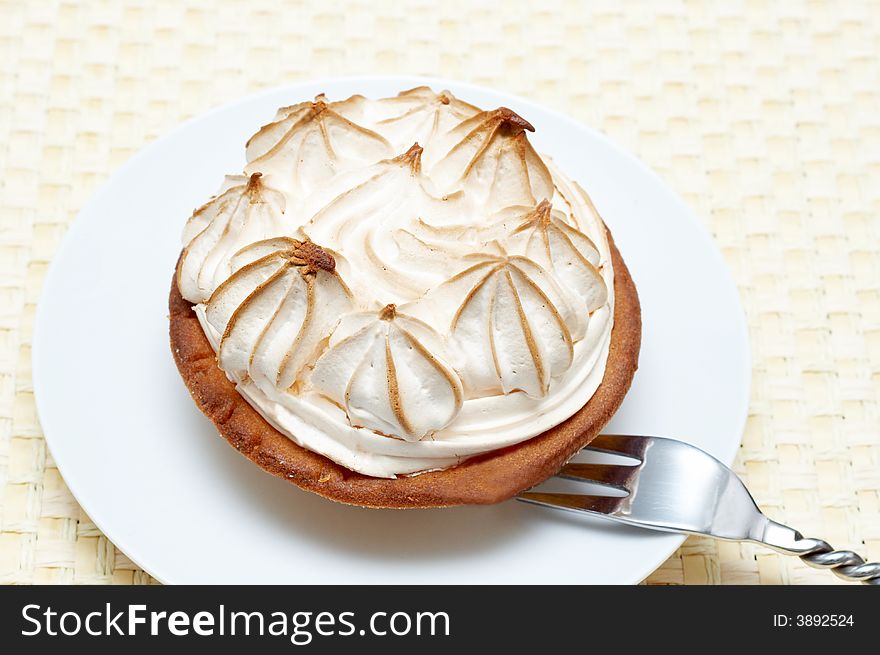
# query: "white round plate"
156 478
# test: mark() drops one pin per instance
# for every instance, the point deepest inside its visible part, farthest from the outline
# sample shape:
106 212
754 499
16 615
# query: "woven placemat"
765 117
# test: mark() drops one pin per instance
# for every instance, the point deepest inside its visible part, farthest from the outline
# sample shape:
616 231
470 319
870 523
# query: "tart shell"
481 480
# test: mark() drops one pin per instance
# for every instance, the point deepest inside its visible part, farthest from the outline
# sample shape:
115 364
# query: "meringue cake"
400 303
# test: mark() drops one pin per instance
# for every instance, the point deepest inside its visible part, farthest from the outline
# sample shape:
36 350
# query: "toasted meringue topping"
566 251
387 370
420 115
460 299
275 311
494 162
247 211
394 196
508 327
310 143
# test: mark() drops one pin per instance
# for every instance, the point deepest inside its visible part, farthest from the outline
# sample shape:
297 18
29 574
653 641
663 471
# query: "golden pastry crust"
484 479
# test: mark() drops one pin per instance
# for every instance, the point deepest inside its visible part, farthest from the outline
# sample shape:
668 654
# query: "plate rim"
39 332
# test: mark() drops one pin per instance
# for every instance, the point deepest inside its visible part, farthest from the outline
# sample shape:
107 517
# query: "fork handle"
819 554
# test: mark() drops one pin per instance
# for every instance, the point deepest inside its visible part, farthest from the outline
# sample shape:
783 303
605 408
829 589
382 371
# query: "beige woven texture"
764 116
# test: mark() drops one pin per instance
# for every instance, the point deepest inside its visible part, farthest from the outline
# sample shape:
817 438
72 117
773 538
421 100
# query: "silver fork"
676 487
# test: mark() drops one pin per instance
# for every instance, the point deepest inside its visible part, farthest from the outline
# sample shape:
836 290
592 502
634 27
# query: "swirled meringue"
402 283
567 252
245 212
309 143
493 162
274 312
415 116
387 370
508 325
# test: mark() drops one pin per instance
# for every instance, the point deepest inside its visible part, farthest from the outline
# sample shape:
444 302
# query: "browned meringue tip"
388 312
254 187
540 215
512 120
412 157
312 256
542 211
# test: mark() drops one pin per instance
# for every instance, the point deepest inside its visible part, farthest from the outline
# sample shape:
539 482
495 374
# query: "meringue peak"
388 371
569 254
309 143
320 103
255 185
510 314
388 312
418 114
492 160
275 312
510 120
411 158
539 216
245 212
311 257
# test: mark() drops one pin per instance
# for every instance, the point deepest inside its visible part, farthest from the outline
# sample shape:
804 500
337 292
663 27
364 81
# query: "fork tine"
611 475
574 502
620 445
